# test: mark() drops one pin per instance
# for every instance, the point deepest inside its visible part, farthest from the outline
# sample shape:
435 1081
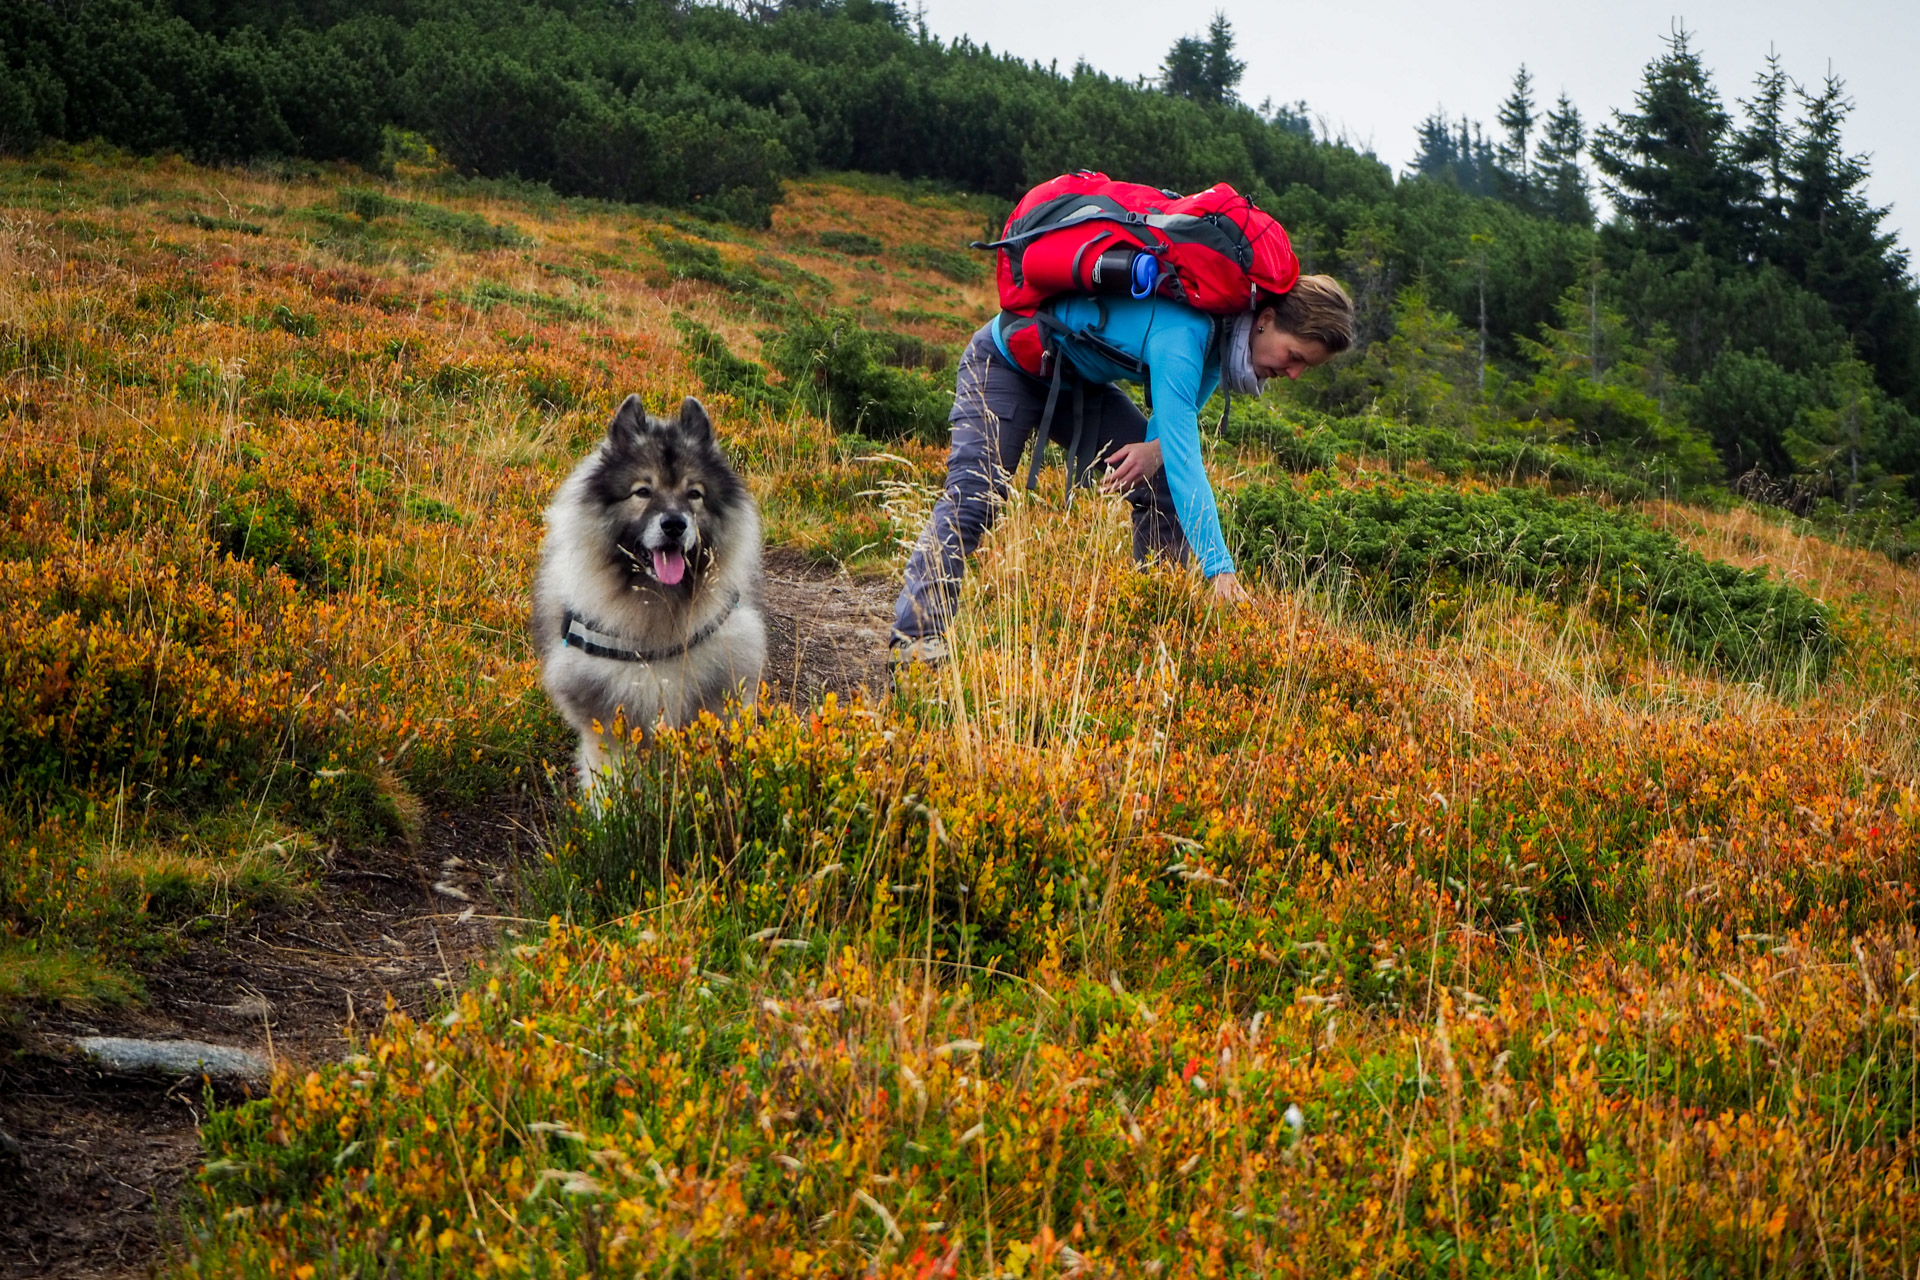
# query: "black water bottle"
1125 273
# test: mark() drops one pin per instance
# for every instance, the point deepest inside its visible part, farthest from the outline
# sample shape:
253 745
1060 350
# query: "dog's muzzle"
671 537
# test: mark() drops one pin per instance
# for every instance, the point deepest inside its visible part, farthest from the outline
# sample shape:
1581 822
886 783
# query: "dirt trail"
107 1155
827 631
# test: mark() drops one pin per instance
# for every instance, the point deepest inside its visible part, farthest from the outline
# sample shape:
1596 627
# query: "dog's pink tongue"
669 565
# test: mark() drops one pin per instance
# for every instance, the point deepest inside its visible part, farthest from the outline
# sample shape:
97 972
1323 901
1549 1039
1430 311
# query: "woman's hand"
1227 589
1129 465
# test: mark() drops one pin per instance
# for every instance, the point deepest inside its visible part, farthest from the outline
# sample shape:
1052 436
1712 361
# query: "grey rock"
175 1057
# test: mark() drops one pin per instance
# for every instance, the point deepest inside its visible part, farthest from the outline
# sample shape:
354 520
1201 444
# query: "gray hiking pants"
996 410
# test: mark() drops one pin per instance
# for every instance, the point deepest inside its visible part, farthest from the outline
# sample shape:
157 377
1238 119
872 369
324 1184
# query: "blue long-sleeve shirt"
1175 342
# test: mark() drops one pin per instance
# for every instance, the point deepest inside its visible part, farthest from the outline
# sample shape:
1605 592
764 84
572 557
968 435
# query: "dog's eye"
642 491
695 495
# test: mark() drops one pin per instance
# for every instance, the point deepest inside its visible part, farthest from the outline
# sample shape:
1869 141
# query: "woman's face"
1279 354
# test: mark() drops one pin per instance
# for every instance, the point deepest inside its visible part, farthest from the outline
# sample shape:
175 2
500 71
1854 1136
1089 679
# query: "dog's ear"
694 420
629 422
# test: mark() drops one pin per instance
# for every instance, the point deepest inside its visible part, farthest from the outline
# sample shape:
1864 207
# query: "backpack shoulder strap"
1046 420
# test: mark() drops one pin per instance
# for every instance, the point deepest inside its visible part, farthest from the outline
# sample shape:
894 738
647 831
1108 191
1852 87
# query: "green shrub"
364 243
790 275
431 510
356 808
579 275
456 381
856 243
1300 442
851 376
724 373
550 391
296 395
962 266
1403 544
904 351
206 222
301 324
1304 440
196 381
463 230
174 301
1883 522
62 351
487 295
834 801
944 319
266 526
95 705
690 260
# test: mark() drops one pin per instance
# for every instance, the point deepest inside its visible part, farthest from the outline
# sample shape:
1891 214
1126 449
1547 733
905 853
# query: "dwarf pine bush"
1405 543
852 376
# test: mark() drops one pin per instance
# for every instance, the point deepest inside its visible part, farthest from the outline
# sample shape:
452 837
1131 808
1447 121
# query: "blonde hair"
1316 308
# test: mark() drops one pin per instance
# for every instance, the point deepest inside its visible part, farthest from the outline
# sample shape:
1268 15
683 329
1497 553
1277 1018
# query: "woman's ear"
1264 320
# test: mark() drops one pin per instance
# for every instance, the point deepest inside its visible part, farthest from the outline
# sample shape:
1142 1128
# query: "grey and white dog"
646 608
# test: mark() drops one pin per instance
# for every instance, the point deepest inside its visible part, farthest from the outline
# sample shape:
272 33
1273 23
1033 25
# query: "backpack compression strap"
1124 217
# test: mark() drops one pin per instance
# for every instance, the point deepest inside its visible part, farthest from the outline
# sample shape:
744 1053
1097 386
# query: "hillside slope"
1464 923
277 452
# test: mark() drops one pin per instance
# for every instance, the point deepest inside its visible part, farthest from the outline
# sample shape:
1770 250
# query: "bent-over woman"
1182 355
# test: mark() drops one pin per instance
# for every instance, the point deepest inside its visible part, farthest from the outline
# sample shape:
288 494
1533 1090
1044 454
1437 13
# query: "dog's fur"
656 487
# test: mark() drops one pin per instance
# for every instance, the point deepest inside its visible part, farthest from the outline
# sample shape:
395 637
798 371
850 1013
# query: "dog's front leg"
595 764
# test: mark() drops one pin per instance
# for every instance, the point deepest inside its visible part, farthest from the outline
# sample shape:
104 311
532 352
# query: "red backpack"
1085 233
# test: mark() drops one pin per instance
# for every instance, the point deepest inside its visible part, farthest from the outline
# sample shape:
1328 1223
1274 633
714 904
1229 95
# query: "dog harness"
577 633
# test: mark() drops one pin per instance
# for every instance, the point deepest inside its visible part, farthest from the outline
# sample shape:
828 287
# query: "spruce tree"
1833 444
1183 73
1670 166
1764 146
1559 179
1517 118
1223 70
1480 162
1204 70
1833 245
1457 154
1615 391
1436 156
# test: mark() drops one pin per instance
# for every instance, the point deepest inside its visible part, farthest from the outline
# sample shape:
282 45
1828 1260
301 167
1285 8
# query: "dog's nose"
673 526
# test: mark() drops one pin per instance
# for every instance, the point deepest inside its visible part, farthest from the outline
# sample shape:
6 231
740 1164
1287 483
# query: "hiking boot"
904 651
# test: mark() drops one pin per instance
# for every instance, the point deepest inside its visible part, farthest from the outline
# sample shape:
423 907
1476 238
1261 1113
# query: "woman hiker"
1155 462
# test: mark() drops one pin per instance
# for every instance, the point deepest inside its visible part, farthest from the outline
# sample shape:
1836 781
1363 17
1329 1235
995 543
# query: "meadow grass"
272 504
1146 939
1496 937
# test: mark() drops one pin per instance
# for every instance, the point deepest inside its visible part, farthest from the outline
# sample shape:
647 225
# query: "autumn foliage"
1147 941
1504 934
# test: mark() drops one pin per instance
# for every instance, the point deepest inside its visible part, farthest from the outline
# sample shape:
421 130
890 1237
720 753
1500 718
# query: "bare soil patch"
826 629
104 1157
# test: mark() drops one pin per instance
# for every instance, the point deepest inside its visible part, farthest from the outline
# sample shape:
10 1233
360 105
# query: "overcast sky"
1375 68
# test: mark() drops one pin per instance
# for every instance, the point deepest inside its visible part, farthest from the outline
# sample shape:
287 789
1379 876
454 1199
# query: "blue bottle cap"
1146 274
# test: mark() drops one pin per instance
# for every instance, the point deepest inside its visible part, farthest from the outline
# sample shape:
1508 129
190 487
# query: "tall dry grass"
1146 938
